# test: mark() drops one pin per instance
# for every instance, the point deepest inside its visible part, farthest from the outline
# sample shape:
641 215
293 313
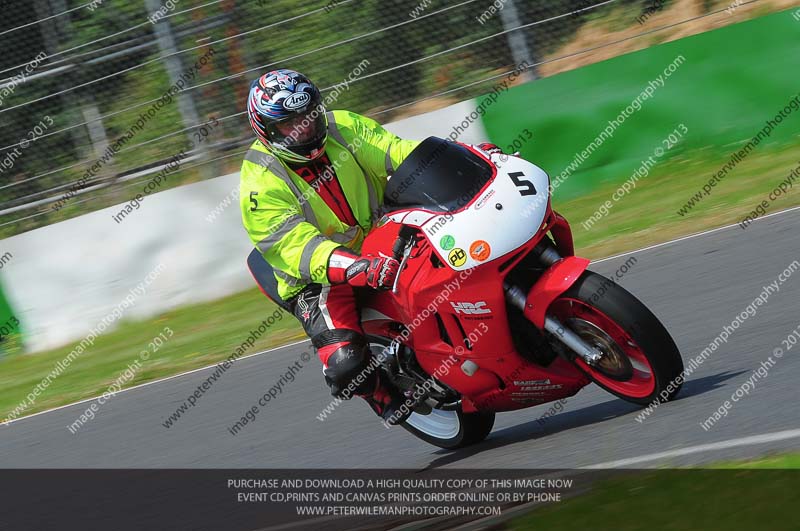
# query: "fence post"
172 61
520 50
51 28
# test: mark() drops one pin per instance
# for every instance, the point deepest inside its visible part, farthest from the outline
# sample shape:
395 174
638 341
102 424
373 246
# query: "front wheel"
640 359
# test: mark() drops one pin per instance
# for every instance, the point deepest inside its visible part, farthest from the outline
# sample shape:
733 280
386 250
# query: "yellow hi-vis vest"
287 220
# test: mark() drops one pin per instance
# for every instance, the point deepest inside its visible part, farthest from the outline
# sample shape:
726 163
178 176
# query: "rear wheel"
446 428
640 359
450 429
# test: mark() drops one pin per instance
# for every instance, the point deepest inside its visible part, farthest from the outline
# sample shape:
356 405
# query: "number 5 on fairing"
526 187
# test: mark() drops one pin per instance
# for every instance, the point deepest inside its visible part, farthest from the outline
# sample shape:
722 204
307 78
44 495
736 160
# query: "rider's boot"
388 402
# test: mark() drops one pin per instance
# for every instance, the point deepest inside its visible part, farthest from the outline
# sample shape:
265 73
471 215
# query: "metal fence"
100 95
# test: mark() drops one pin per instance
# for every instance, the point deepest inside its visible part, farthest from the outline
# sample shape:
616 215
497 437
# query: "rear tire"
653 360
451 429
448 429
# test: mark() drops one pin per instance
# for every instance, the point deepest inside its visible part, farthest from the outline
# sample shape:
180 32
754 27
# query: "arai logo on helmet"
297 100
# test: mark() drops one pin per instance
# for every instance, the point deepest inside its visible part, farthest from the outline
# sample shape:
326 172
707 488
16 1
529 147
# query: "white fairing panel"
502 219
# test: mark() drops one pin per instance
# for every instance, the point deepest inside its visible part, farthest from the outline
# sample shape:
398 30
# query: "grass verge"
203 334
649 213
752 496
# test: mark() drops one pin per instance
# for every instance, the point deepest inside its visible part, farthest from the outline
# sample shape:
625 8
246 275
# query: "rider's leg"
329 315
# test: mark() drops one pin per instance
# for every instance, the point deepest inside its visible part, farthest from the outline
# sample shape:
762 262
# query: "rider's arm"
377 150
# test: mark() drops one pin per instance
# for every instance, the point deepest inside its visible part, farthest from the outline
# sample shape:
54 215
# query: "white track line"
150 383
698 234
721 445
690 236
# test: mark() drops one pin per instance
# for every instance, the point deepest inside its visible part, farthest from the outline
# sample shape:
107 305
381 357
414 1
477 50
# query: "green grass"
648 214
774 462
203 334
751 496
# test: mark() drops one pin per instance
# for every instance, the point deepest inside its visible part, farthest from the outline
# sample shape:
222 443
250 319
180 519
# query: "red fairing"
562 235
449 317
553 283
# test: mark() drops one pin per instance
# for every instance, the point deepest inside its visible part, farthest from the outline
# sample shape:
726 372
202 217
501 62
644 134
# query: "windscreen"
438 175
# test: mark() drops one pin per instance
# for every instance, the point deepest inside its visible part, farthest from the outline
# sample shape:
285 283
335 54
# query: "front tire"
641 360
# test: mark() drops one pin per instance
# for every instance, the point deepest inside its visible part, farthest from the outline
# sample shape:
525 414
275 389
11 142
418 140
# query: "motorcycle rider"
311 188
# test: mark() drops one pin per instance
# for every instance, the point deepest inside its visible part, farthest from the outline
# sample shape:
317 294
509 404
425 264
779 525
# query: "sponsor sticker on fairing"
480 203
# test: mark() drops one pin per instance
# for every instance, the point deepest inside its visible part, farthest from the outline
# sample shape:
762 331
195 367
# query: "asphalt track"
695 285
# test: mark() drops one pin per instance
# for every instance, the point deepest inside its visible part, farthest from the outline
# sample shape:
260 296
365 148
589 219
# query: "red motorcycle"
492 311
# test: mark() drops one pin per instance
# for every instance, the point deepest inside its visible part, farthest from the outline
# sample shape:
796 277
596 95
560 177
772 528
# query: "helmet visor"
300 132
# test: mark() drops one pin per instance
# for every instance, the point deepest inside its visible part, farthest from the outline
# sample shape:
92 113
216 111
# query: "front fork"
562 273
